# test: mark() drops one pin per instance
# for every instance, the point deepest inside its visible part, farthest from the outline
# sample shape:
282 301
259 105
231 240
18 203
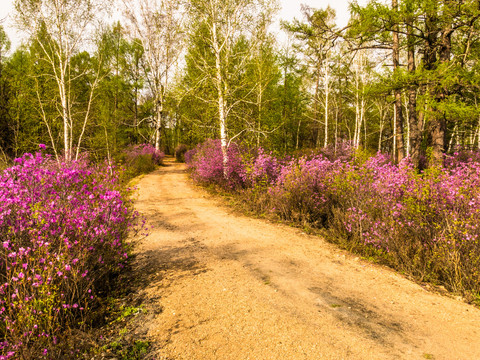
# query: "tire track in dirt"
217 285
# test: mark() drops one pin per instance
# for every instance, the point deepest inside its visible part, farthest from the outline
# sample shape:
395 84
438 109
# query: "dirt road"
217 285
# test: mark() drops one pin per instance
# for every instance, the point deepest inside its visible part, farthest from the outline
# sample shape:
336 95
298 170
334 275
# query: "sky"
290 9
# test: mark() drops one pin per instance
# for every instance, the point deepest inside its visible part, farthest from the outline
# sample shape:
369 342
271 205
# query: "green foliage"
275 96
180 151
32 115
141 164
140 159
134 351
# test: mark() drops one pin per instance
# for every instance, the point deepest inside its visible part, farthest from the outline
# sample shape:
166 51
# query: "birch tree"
5 130
66 25
315 40
226 24
158 27
399 119
359 93
265 73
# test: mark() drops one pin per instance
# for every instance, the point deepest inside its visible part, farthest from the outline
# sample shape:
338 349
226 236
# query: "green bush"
141 164
140 159
180 151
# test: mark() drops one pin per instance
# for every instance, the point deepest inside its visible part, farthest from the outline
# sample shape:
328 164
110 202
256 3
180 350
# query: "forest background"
401 77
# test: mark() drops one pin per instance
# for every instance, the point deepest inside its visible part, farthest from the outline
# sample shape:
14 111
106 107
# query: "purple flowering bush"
259 171
461 156
62 229
425 223
262 169
302 192
134 151
206 163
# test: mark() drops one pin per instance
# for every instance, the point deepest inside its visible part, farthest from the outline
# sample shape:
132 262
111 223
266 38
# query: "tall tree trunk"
358 111
357 122
397 94
478 134
158 118
435 127
221 101
326 81
135 115
298 133
413 119
407 124
380 134
439 125
135 108
259 109
394 127
316 110
337 110
284 108
364 124
66 122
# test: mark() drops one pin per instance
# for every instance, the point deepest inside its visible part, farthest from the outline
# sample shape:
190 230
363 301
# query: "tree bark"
66 122
221 100
400 150
159 100
435 126
315 107
326 81
439 125
413 120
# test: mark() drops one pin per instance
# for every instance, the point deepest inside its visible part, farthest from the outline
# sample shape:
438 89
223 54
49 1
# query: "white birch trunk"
158 119
478 134
221 100
394 132
327 93
66 122
362 122
336 128
407 114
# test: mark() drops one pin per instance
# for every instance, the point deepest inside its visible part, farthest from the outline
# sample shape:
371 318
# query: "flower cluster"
263 169
424 223
62 229
206 162
302 191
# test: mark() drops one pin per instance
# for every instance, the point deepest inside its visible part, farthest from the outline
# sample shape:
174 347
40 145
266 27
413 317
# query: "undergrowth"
424 224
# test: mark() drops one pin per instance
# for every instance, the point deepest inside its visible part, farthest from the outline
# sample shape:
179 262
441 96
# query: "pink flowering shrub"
262 170
424 223
62 229
206 163
303 190
461 156
343 151
189 156
134 151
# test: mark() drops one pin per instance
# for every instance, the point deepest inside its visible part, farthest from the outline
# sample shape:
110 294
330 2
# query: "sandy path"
217 285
